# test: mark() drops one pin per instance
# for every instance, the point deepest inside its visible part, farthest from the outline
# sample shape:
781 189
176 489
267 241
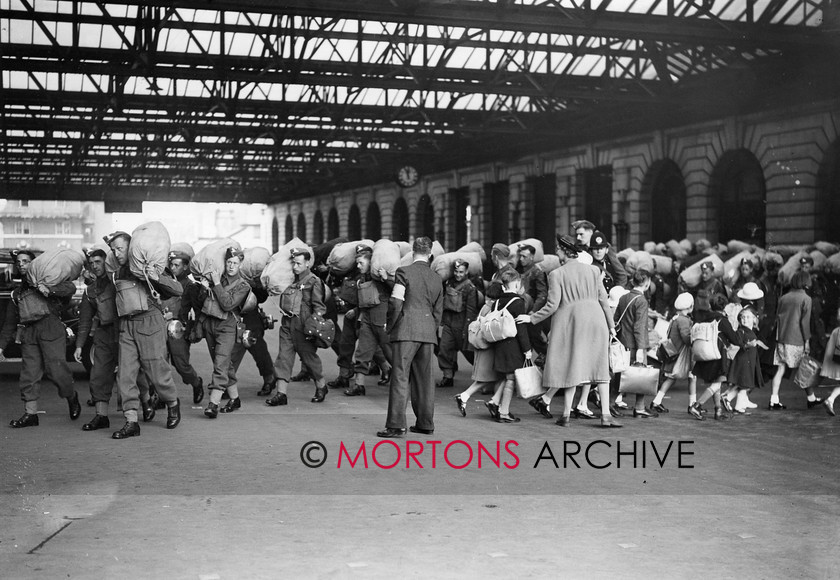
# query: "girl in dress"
745 370
831 366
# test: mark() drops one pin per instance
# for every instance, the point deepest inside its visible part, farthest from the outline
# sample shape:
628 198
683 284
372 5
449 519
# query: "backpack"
499 324
704 341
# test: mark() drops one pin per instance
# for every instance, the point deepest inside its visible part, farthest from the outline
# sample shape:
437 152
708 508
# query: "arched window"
425 217
737 182
275 235
332 224
301 226
354 223
374 222
665 187
828 194
290 228
318 228
400 225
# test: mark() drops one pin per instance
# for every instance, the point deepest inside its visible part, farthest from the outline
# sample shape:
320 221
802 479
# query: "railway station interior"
711 125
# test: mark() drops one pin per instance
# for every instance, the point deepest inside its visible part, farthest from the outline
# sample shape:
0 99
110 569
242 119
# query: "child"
745 371
831 366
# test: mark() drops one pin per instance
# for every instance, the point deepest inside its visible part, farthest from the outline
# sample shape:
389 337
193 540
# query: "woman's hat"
750 291
684 301
616 292
568 244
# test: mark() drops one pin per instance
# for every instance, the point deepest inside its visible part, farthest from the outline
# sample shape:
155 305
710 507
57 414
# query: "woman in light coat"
581 327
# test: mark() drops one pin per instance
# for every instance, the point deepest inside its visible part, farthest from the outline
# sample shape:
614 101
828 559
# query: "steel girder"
334 94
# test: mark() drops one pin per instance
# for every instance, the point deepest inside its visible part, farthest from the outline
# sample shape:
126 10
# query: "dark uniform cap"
707 266
295 252
111 237
232 252
806 260
598 241
30 253
459 262
567 243
363 250
179 256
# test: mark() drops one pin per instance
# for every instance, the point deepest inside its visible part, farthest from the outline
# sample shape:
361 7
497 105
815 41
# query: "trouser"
451 343
374 345
412 374
143 346
292 340
179 355
44 358
259 352
105 351
346 348
221 339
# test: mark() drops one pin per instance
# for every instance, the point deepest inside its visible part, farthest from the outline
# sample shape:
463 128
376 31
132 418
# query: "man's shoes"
509 418
391 433
302 376
355 391
277 400
814 403
231 406
130 429
658 408
829 407
26 420
415 429
643 414
694 411
608 422
538 404
320 394
339 383
445 382
74 406
148 410
198 391
615 411
212 410
493 408
776 407
384 379
563 421
173 415
266 389
583 414
462 407
98 422
726 404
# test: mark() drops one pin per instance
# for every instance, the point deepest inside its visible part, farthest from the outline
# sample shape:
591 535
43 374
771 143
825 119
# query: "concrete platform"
757 497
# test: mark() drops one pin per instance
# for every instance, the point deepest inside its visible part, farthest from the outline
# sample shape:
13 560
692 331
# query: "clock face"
407 176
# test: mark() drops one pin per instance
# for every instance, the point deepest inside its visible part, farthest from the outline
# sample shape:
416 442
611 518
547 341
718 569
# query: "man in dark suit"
414 315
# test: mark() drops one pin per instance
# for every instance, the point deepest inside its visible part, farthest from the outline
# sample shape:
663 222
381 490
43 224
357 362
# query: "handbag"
619 356
808 373
639 380
529 381
499 324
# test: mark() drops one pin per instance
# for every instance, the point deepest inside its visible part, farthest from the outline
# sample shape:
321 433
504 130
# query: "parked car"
9 280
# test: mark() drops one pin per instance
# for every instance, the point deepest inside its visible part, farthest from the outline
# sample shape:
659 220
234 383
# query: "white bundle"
539 253
277 274
791 267
254 263
639 261
149 246
691 275
343 256
474 247
405 248
626 253
737 246
819 259
442 265
55 267
551 262
676 250
663 264
732 267
211 258
386 254
827 248
649 247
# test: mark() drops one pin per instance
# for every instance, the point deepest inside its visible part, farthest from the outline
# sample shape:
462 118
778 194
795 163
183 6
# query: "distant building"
45 225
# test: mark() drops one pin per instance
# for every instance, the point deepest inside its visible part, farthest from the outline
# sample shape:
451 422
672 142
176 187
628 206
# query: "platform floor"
231 498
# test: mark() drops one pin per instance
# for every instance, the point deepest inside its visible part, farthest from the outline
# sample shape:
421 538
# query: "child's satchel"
32 306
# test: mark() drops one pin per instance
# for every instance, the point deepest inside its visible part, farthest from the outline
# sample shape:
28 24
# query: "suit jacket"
417 317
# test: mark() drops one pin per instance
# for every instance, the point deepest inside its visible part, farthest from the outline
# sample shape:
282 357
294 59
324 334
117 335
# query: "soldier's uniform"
371 314
98 315
142 345
303 298
460 307
178 308
347 293
253 322
35 322
221 314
